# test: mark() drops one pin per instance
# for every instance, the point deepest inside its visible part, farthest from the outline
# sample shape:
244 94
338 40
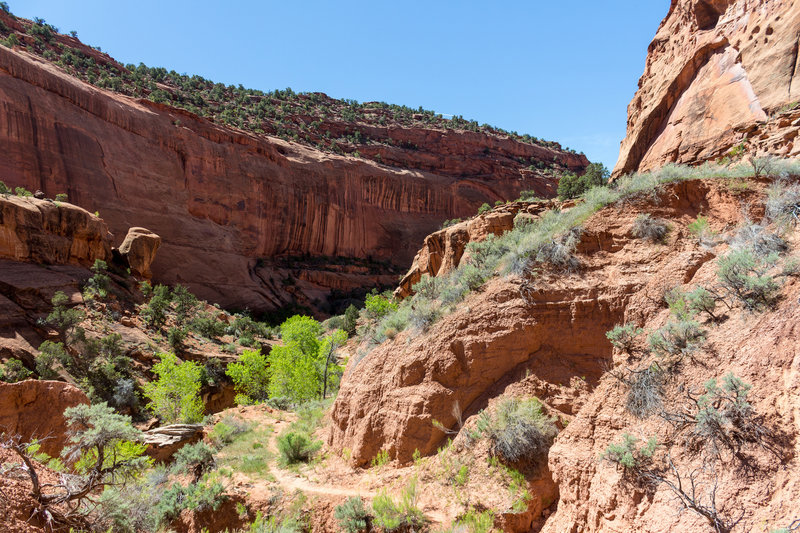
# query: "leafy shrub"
296 447
175 394
4 190
404 515
701 230
484 208
519 429
572 185
744 277
198 457
352 515
380 459
63 318
99 284
207 325
724 415
154 313
226 430
207 494
61 197
700 300
624 337
275 524
14 370
185 303
250 376
677 338
175 338
628 455
758 239
474 521
649 228
350 320
783 203
22 191
49 353
379 305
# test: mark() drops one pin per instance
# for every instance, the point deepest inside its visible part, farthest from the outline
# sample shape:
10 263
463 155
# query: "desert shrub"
403 515
124 393
207 325
185 303
200 496
198 458
519 428
226 430
572 185
644 391
99 284
250 376
624 336
700 300
296 447
783 203
744 278
724 415
379 305
474 521
484 208
175 338
14 370
154 313
4 190
758 239
649 228
677 338
350 320
61 197
765 165
49 354
701 230
381 458
352 516
175 394
23 192
628 455
63 318
275 524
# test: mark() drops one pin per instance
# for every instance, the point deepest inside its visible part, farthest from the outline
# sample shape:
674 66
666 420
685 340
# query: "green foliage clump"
677 338
744 277
250 376
701 229
63 318
474 521
403 515
99 284
154 313
206 494
484 208
175 338
185 303
628 455
350 320
573 186
303 368
624 336
14 370
23 192
50 353
175 394
352 516
644 391
61 197
226 430
381 458
724 415
208 326
518 429
4 189
296 447
379 305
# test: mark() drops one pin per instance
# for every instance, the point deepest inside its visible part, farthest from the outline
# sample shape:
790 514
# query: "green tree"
155 313
175 394
63 318
572 185
250 376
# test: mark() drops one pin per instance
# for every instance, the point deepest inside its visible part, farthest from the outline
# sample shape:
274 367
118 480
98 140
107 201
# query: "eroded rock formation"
719 73
34 409
139 250
228 204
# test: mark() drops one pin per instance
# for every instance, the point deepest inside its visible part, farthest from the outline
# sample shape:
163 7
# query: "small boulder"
164 441
139 248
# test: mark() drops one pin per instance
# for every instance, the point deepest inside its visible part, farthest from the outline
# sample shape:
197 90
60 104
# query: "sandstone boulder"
139 248
35 409
41 231
163 442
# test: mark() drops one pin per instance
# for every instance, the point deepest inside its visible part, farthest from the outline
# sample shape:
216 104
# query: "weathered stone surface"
33 409
162 442
139 249
718 73
226 202
42 231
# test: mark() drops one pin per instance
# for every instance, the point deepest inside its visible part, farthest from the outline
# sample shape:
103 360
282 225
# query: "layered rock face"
43 231
719 73
226 203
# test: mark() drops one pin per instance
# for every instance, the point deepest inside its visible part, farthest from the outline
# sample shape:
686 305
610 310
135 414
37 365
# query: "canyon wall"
719 73
226 203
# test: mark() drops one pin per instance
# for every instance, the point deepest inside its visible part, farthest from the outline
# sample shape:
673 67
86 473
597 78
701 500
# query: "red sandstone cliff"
226 203
718 73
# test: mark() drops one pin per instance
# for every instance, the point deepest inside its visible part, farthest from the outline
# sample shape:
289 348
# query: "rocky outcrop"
34 409
139 250
163 442
719 73
42 231
227 203
443 250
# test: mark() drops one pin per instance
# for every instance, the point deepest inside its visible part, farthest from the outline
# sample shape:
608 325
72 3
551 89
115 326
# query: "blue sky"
563 70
